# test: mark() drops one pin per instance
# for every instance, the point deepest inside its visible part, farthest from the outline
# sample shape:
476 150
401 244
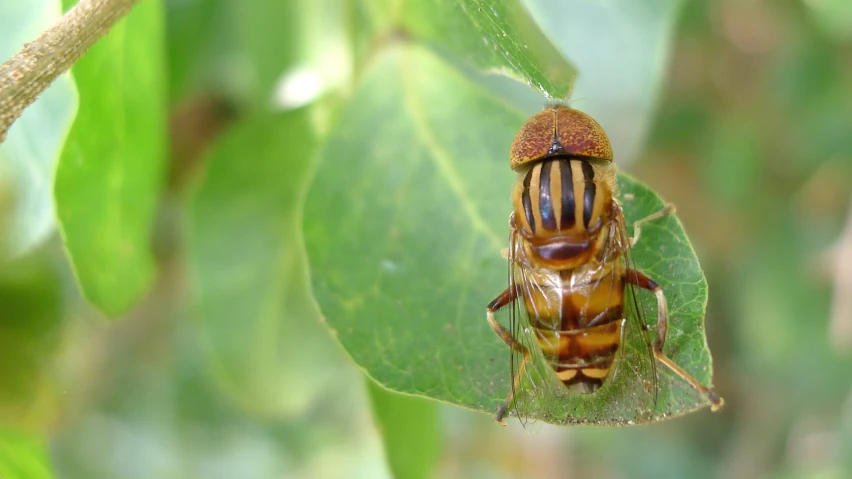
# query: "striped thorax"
562 209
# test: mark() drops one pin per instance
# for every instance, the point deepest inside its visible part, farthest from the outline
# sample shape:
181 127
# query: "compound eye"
559 131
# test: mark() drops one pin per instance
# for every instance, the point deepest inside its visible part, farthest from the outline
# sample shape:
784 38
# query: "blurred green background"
218 362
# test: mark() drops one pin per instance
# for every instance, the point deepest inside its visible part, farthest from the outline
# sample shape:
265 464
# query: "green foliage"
588 32
247 265
23 456
30 331
404 226
110 173
496 37
32 147
378 212
410 430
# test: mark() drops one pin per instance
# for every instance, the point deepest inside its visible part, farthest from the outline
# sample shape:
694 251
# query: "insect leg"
637 226
641 280
504 299
501 413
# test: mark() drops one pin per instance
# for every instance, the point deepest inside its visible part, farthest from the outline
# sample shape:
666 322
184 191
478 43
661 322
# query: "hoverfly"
570 268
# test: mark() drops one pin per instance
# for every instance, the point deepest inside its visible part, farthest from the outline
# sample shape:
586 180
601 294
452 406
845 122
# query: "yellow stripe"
535 195
596 373
579 190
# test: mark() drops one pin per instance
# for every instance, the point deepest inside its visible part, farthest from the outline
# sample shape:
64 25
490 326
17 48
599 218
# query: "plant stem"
24 76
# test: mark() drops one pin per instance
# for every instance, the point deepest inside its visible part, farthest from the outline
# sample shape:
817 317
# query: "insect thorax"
563 207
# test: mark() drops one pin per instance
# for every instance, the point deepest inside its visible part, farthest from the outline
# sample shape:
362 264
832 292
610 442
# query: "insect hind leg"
504 409
716 402
637 226
500 301
641 280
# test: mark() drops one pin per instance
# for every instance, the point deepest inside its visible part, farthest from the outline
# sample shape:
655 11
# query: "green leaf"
23 456
195 34
262 55
834 17
255 23
32 147
588 32
30 330
404 226
410 430
111 171
494 37
247 266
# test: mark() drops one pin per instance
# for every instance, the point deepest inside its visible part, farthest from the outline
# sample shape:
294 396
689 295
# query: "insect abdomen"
577 321
581 358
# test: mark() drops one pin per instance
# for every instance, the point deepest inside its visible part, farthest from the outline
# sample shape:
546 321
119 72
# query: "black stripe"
589 195
545 203
525 197
588 384
567 195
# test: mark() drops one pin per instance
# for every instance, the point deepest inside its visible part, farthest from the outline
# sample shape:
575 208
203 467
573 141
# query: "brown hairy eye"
559 131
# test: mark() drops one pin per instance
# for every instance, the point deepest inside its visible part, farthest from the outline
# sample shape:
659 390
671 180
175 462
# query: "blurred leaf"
731 159
30 328
110 173
404 226
23 456
308 54
494 37
844 450
28 155
255 24
772 280
807 79
833 16
247 266
196 35
590 32
246 51
410 429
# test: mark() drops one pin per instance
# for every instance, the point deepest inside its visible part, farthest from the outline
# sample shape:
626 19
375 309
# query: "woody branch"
27 74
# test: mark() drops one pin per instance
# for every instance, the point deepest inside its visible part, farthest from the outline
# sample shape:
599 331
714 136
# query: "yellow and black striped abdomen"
577 317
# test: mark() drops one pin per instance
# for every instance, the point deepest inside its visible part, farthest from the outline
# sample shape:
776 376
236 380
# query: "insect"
570 268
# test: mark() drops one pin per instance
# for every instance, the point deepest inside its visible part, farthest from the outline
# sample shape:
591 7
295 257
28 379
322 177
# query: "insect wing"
536 384
672 394
628 395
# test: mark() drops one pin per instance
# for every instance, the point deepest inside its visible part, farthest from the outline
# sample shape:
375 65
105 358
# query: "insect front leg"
637 226
641 280
499 302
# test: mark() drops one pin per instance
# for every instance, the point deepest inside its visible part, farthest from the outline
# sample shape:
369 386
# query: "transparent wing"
638 346
628 395
668 390
536 380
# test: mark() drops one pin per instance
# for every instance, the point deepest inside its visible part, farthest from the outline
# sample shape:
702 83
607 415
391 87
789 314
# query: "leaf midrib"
441 158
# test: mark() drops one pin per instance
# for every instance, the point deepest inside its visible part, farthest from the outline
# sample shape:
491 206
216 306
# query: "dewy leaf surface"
32 147
404 225
110 173
497 37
